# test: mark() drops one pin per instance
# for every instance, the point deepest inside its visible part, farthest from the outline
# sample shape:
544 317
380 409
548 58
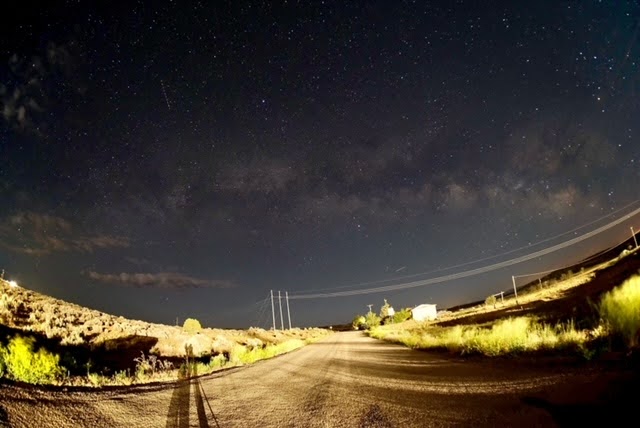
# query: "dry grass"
549 291
504 330
508 336
116 340
620 310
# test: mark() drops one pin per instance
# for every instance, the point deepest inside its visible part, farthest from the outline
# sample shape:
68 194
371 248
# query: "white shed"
424 312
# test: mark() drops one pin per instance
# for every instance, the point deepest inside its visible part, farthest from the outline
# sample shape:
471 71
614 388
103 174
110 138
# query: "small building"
424 312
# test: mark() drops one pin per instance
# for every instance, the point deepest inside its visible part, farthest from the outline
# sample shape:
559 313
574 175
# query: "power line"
471 272
381 281
536 273
260 318
562 267
264 321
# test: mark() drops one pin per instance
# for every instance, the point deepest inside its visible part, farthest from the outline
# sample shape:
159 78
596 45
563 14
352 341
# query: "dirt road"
346 380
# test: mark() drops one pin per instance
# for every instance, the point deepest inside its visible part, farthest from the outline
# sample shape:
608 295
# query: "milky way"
174 159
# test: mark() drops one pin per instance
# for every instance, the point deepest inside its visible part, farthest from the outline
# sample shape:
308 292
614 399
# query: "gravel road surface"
345 380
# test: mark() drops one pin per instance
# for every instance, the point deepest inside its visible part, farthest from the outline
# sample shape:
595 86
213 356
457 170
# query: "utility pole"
273 312
286 295
634 237
370 308
280 303
513 279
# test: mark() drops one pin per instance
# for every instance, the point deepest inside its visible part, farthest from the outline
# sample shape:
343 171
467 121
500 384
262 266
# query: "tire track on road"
346 380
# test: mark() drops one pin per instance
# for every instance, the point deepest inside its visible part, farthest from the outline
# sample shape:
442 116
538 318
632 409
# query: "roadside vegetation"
387 316
620 311
508 336
617 327
21 360
48 341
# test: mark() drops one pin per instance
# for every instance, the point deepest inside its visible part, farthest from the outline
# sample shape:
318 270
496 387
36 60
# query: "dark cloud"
169 280
41 234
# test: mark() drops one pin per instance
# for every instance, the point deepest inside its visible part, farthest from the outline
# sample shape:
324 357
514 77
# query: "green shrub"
97 380
122 378
402 315
620 310
23 364
372 320
490 301
217 362
191 326
505 337
358 322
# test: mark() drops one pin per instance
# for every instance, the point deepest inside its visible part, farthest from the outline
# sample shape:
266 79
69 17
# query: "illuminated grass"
147 371
620 310
508 336
23 362
241 355
110 338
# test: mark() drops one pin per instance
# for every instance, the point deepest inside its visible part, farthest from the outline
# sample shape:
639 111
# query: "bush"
372 320
217 362
191 326
148 366
620 310
490 301
23 364
359 322
506 337
402 315
122 378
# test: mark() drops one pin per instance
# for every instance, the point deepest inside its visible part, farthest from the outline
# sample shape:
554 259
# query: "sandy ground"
345 380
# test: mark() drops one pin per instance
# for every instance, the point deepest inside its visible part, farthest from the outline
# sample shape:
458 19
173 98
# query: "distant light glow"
13 284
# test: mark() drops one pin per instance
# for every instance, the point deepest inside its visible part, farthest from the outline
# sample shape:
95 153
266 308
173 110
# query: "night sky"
163 160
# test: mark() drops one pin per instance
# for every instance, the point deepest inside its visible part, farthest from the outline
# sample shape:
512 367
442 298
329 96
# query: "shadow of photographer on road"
178 415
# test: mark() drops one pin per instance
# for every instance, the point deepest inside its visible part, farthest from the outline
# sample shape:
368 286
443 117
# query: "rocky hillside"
115 340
